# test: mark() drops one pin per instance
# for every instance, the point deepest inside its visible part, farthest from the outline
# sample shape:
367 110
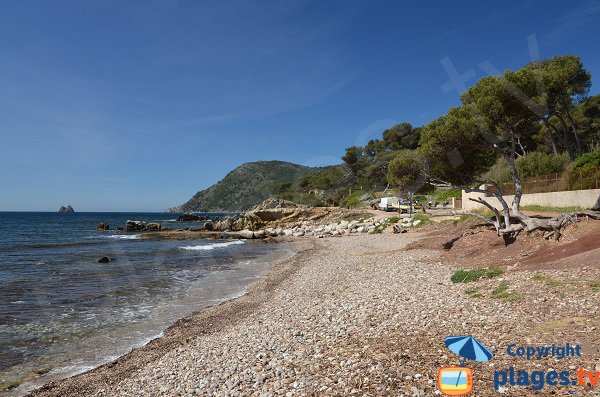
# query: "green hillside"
246 186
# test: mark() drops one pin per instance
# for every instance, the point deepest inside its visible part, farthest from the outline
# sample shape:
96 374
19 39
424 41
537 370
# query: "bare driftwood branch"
497 224
553 226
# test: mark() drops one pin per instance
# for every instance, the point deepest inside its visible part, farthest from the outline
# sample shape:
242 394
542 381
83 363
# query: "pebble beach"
354 316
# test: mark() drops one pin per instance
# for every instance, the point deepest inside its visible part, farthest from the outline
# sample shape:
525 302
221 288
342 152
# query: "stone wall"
586 199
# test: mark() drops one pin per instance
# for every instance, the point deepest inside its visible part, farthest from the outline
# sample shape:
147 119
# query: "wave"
208 247
125 236
121 236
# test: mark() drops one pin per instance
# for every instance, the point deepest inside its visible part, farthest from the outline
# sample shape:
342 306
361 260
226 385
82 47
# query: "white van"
386 203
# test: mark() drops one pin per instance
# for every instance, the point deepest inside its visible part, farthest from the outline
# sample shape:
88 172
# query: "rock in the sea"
134 226
187 218
104 259
153 227
68 208
102 227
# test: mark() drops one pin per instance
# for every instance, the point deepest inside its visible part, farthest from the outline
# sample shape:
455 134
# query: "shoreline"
200 322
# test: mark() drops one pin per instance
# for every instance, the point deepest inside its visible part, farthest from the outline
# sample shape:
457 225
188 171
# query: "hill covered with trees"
246 186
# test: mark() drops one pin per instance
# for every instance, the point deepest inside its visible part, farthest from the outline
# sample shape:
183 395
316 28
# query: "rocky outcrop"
103 227
140 226
187 218
104 259
135 226
68 208
275 213
153 227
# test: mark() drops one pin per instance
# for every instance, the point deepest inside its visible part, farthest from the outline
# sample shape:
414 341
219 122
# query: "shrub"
540 163
354 199
531 165
499 172
469 275
588 160
393 219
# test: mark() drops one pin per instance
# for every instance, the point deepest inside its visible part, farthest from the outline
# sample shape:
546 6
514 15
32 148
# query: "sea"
62 312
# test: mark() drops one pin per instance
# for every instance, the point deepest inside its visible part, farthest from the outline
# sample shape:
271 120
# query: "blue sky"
136 105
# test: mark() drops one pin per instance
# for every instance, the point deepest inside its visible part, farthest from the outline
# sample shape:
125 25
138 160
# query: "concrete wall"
579 198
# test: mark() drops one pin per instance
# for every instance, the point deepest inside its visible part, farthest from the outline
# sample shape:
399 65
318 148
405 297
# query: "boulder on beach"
247 234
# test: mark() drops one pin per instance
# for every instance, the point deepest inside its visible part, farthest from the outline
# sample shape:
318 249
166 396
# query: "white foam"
208 247
125 236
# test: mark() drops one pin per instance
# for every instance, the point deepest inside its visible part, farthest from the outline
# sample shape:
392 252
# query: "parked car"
404 206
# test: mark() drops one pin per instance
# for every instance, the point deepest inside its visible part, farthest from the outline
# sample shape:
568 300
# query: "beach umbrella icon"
468 348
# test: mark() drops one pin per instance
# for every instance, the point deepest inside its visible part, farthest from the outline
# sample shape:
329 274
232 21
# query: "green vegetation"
354 199
444 194
325 187
544 208
549 281
406 170
588 160
246 186
424 218
369 164
530 165
595 286
473 292
470 275
502 292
